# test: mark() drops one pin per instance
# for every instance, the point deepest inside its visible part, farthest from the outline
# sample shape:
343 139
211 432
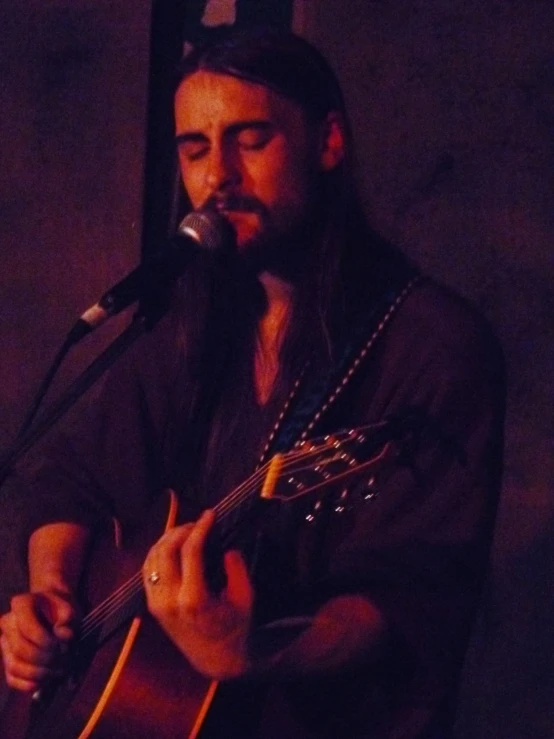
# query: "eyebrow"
231 130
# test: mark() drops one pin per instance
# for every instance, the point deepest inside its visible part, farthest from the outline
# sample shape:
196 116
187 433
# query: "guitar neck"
311 466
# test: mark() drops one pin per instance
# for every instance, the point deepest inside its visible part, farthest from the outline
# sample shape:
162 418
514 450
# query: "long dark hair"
336 276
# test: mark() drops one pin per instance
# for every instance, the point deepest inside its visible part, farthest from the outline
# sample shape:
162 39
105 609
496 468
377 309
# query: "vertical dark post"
166 47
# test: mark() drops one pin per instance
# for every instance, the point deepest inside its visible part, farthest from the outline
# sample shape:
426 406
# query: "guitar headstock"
317 463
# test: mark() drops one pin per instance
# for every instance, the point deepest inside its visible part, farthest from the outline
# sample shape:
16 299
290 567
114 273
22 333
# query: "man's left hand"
211 630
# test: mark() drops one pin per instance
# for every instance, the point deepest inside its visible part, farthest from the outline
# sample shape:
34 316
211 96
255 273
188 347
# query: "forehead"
207 98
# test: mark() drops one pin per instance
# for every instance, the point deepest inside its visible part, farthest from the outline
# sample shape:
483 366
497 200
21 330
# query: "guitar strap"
318 388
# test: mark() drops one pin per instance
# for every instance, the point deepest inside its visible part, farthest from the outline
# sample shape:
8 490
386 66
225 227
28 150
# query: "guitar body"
137 685
126 679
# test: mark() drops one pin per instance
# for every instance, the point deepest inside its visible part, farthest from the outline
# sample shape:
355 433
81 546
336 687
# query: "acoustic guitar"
126 680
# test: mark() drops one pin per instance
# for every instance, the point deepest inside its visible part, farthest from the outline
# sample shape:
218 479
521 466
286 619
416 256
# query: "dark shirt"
418 549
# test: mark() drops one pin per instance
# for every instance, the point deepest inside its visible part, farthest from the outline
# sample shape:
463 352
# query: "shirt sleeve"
418 549
430 523
109 461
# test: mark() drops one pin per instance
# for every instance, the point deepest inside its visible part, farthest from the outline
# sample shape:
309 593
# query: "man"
312 305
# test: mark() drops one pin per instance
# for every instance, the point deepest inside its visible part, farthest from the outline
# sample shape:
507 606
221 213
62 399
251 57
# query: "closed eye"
193 149
252 138
246 135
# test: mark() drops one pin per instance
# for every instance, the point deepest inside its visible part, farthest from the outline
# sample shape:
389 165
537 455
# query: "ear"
332 142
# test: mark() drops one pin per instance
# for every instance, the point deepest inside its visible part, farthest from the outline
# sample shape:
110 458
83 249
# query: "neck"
271 331
277 289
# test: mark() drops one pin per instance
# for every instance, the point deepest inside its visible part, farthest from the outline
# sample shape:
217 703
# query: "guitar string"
316 446
123 597
133 586
128 591
125 594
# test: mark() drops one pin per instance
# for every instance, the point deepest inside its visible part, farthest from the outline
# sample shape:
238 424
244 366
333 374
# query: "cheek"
282 183
294 187
192 182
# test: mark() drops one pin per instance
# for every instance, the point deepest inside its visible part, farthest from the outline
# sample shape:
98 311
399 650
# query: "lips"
229 204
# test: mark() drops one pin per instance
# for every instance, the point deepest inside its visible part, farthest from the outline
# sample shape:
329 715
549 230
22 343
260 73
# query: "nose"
222 171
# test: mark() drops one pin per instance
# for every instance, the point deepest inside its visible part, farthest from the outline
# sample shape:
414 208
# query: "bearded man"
348 622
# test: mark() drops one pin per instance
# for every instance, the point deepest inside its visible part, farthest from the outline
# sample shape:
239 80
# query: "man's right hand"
36 634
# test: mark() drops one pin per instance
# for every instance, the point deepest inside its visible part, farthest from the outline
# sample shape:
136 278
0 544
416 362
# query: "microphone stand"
167 23
29 436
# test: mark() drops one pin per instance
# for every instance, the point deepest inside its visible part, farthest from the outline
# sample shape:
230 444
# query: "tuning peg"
323 471
310 518
370 490
297 484
340 505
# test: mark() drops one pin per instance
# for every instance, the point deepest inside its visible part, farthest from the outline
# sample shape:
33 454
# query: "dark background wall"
453 108
72 86
72 128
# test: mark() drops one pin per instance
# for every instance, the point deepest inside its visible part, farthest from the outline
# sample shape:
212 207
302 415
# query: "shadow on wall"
509 677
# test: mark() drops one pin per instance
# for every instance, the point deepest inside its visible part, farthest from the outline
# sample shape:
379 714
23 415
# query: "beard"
283 250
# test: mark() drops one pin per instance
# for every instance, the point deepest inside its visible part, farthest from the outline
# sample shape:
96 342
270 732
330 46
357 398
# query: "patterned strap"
315 391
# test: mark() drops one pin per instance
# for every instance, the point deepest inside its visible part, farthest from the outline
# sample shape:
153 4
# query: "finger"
239 589
19 670
25 686
19 650
63 616
21 653
195 589
64 632
30 619
30 678
23 674
162 567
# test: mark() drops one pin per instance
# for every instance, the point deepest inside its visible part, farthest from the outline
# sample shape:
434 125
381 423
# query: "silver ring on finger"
154 577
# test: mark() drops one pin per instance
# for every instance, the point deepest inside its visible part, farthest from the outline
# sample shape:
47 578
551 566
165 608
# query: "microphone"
199 230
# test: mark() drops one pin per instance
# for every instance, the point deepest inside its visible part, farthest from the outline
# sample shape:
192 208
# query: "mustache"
235 202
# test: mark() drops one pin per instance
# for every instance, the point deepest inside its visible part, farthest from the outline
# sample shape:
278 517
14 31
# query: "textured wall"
453 107
71 126
72 117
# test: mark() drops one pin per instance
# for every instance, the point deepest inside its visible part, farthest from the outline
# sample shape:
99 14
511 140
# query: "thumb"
239 589
62 615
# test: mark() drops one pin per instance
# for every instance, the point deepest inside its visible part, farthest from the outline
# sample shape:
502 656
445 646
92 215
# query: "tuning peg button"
342 501
371 490
310 518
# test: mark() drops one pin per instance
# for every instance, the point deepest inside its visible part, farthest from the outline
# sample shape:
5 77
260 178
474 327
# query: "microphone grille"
206 227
